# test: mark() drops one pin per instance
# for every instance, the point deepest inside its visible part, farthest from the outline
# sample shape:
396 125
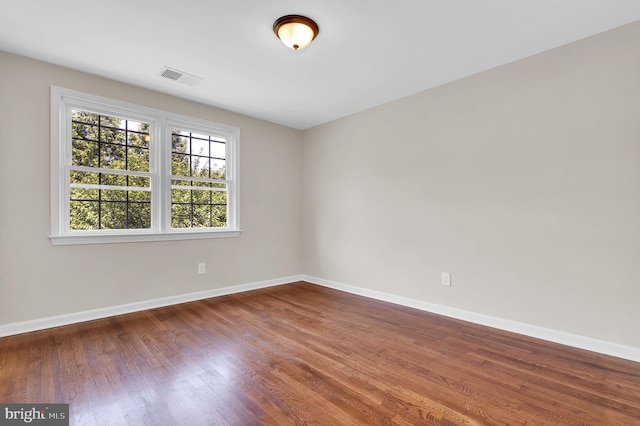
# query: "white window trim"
63 100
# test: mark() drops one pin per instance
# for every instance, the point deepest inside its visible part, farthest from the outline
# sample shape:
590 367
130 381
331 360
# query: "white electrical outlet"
446 279
202 268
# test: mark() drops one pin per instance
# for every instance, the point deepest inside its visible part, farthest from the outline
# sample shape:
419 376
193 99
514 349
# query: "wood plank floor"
304 354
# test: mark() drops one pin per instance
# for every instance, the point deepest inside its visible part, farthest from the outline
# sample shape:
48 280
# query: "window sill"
63 240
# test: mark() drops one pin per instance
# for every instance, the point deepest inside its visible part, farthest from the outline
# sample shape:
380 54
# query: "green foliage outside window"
100 141
109 143
203 157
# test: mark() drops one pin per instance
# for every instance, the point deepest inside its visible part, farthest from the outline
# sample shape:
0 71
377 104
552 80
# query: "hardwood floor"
304 354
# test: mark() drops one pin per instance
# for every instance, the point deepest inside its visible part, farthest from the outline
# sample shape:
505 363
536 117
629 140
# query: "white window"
123 173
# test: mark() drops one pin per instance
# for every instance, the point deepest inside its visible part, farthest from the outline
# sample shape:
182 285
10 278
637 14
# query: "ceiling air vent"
180 76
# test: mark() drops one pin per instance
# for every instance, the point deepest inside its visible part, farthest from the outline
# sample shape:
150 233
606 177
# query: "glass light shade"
296 32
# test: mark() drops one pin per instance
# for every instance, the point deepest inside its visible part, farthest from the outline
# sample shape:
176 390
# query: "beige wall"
522 181
39 280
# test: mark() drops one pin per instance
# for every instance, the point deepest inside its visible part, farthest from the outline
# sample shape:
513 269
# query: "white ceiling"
368 52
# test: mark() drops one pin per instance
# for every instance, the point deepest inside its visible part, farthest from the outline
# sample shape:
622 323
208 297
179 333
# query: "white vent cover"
180 76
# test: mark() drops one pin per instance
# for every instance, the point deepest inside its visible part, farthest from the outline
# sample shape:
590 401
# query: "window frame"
160 126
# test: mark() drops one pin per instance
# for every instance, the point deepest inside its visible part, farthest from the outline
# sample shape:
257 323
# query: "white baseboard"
608 348
56 321
601 346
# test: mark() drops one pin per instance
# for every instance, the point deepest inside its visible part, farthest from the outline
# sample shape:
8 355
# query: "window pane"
201 197
198 208
113 215
179 144
218 169
219 216
199 155
199 166
200 147
84 131
83 215
180 165
180 216
219 197
180 196
113 156
201 216
140 215
218 150
110 135
138 159
84 153
138 139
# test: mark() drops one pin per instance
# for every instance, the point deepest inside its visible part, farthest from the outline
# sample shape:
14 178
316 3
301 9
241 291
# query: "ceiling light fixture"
295 31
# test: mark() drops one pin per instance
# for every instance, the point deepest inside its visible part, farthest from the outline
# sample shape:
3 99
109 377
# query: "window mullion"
99 174
162 190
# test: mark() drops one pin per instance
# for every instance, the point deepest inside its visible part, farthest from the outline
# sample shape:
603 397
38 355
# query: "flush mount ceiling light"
295 31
